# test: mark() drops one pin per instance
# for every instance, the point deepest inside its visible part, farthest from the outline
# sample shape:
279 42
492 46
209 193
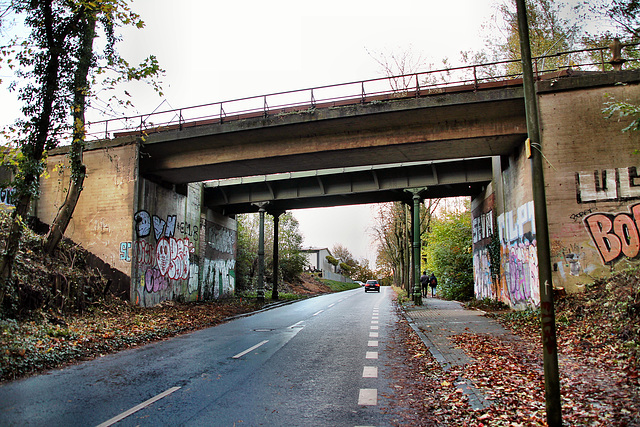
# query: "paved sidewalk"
437 320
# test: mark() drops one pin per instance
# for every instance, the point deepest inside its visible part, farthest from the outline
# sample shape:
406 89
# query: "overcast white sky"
220 50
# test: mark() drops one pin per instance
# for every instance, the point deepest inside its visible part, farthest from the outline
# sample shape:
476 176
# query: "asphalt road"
316 362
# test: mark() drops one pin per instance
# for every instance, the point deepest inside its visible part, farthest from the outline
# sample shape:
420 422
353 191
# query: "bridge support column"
417 291
276 223
260 290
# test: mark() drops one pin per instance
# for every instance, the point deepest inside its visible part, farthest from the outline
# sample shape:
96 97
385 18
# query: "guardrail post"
417 86
266 107
313 100
363 93
180 120
222 113
475 78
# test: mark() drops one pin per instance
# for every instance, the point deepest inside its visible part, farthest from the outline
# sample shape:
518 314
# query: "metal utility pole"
549 342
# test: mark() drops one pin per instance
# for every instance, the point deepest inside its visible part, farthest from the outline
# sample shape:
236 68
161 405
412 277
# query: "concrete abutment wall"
164 241
593 196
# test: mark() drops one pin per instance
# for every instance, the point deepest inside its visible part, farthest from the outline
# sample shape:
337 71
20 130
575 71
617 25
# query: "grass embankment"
339 286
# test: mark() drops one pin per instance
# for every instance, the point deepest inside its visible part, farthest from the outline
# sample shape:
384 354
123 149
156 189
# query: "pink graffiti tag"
154 281
615 235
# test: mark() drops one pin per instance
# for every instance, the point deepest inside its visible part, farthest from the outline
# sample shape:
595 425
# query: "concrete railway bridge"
159 201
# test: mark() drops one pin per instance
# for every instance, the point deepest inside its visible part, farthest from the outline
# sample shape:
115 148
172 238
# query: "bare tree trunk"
78 169
63 217
33 150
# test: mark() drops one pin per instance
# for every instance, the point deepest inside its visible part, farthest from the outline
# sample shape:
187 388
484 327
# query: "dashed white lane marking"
318 312
296 325
371 355
373 335
144 404
331 305
374 317
372 343
250 349
374 322
370 372
368 396
374 328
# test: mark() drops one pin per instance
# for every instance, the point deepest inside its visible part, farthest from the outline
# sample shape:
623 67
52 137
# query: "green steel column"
260 290
417 291
276 222
549 343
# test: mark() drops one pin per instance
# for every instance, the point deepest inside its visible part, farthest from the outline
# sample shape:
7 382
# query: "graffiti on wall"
6 198
219 277
482 230
125 251
218 271
483 285
166 258
519 256
615 235
607 185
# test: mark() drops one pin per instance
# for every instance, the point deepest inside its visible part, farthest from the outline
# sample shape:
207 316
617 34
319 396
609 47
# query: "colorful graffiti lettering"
608 184
170 256
125 251
143 223
154 281
615 235
519 256
6 197
483 286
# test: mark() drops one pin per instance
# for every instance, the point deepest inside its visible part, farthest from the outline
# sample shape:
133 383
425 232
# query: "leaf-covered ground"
598 356
31 346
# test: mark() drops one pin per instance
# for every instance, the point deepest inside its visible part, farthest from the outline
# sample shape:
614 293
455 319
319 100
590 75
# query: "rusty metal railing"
462 78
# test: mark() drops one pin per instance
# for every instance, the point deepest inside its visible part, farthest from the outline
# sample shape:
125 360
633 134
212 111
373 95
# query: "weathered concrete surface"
441 126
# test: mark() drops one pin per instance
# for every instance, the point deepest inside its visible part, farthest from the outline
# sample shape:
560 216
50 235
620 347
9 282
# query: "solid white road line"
144 404
368 396
239 355
370 372
371 355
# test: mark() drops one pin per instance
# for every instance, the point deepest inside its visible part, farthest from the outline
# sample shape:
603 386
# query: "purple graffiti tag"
154 281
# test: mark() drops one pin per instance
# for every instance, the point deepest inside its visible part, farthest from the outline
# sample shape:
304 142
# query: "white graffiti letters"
608 184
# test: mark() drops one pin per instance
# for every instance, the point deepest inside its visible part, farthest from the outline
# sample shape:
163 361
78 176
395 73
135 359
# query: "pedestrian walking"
424 283
433 282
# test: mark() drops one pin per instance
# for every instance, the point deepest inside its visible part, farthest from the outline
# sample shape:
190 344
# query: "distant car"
372 285
359 282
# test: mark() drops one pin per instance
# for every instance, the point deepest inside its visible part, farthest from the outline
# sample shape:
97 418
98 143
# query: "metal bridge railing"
463 78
